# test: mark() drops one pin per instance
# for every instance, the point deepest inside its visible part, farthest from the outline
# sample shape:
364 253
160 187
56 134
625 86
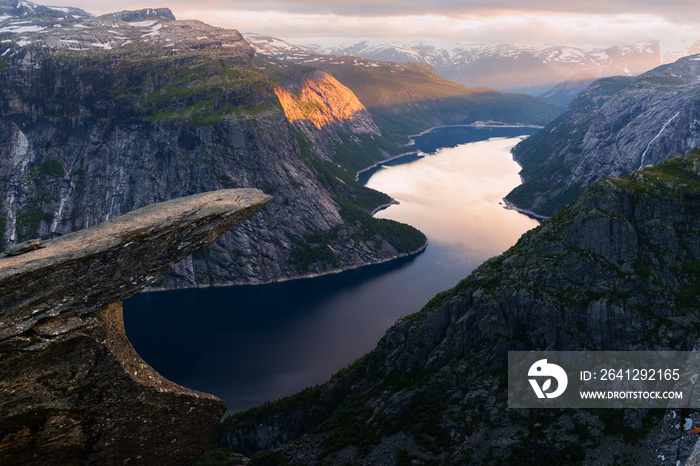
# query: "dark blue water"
251 344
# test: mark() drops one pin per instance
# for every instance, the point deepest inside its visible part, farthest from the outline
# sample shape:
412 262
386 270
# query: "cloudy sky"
568 22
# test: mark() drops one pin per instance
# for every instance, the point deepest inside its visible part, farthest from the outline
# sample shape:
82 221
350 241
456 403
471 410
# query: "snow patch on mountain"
142 24
154 30
62 9
107 46
518 67
19 29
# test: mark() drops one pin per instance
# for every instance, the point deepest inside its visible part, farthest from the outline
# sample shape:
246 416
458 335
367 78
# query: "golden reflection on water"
456 196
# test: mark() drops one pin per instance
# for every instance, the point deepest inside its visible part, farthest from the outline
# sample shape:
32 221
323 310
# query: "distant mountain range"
531 69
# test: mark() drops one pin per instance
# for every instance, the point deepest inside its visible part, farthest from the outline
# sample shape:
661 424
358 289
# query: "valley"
275 340
385 258
598 275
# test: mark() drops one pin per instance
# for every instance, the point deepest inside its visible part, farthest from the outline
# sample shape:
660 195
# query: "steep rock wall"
87 137
318 99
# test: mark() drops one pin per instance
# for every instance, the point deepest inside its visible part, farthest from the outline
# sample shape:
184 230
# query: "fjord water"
251 344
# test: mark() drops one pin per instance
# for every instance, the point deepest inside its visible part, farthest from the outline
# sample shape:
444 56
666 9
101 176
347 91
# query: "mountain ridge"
616 126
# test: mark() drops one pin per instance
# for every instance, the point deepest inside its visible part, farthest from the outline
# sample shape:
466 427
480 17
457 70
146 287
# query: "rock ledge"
73 390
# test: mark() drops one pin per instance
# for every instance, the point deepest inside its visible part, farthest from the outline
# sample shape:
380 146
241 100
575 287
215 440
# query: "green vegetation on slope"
199 88
355 201
206 91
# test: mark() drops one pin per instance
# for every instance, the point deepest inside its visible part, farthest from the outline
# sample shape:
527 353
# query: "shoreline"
302 277
384 206
484 124
510 206
375 165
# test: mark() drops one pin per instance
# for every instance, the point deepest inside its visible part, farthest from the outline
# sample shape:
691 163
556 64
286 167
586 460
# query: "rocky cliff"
100 116
318 99
73 390
615 270
616 126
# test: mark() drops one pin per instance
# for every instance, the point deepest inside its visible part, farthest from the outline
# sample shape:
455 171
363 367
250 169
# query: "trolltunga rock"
72 388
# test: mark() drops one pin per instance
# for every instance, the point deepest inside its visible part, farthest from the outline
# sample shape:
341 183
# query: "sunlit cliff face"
321 100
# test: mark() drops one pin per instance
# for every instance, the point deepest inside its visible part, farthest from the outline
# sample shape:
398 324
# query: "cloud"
675 10
509 27
672 9
590 22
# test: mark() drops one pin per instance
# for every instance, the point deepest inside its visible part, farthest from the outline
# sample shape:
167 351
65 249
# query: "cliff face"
73 390
318 99
168 108
615 270
616 126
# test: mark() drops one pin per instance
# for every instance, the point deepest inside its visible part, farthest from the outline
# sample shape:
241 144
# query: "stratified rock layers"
73 390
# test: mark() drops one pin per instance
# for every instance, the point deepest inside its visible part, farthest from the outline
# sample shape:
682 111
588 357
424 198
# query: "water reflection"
455 197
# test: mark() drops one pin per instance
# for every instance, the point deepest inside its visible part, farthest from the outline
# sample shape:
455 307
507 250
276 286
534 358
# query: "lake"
251 344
